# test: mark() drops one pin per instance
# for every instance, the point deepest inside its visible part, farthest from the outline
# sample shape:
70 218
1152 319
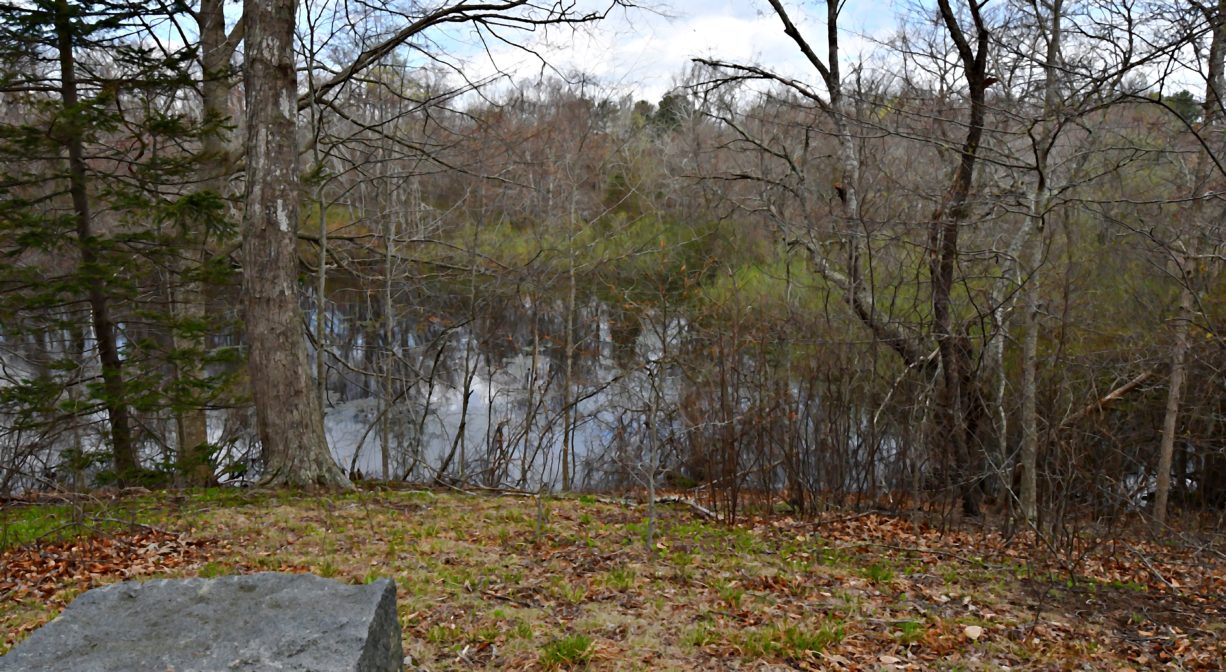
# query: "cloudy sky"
644 52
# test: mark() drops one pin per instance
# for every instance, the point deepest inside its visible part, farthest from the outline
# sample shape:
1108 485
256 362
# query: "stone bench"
252 623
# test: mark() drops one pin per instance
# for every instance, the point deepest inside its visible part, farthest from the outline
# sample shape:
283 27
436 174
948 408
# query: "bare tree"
1184 261
961 407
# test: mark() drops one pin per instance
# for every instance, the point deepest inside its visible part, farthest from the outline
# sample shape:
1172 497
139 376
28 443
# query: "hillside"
509 582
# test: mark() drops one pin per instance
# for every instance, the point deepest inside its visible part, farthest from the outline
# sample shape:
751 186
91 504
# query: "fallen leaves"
44 572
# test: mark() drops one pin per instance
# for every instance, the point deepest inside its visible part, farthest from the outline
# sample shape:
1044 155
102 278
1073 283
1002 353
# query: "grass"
568 653
482 586
730 593
23 524
620 578
879 573
909 632
791 642
699 636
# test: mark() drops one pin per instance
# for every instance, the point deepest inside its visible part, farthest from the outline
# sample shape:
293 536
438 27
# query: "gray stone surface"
253 623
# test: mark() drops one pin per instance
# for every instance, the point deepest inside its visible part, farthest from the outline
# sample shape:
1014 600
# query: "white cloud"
645 53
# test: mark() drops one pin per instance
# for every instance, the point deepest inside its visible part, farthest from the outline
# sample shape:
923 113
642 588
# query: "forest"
884 336
973 270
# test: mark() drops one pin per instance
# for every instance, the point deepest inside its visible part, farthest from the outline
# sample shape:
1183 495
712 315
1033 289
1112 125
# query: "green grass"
789 642
21 525
879 573
909 632
699 636
570 652
440 634
730 593
327 569
833 557
620 579
212 568
523 630
574 593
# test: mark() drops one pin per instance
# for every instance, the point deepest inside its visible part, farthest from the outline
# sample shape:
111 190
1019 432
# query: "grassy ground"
502 582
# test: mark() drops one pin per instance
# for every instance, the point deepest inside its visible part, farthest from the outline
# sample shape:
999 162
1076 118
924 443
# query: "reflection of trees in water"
709 427
719 419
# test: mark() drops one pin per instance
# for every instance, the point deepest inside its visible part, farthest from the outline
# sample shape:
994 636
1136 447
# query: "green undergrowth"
24 524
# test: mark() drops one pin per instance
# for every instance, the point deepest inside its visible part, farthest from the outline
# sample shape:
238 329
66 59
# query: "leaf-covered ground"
510 583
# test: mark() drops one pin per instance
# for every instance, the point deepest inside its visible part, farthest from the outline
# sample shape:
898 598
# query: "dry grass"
483 583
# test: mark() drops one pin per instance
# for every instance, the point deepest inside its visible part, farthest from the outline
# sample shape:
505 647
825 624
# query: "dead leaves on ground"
1112 602
38 580
43 572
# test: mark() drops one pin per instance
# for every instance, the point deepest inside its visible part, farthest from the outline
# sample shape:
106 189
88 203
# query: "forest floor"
516 583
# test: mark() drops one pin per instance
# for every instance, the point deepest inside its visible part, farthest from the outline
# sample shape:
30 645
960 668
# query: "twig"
1152 570
506 598
617 501
912 549
1111 396
845 519
695 506
133 523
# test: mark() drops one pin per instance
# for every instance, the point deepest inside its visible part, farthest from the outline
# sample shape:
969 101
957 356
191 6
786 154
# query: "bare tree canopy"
961 256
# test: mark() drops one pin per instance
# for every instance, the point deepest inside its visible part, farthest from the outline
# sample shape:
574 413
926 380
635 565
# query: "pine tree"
99 159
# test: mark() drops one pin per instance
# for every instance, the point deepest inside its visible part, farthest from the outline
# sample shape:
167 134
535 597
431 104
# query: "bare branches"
860 299
752 72
829 73
487 13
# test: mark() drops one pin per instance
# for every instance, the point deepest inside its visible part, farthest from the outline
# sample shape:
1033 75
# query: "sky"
644 52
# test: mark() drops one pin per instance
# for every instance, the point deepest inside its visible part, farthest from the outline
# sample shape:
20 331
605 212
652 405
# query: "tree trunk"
960 406
568 414
123 451
1170 422
195 454
1030 357
289 414
390 351
1038 205
1215 90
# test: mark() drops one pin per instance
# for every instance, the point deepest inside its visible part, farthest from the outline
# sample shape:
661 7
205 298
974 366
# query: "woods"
972 270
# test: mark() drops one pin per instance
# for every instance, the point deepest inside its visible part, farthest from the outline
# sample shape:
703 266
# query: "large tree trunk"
288 412
115 399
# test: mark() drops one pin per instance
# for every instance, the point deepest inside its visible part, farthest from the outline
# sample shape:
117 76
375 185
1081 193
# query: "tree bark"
126 463
1038 205
960 406
568 414
189 305
1028 494
289 414
389 345
1215 90
1170 423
